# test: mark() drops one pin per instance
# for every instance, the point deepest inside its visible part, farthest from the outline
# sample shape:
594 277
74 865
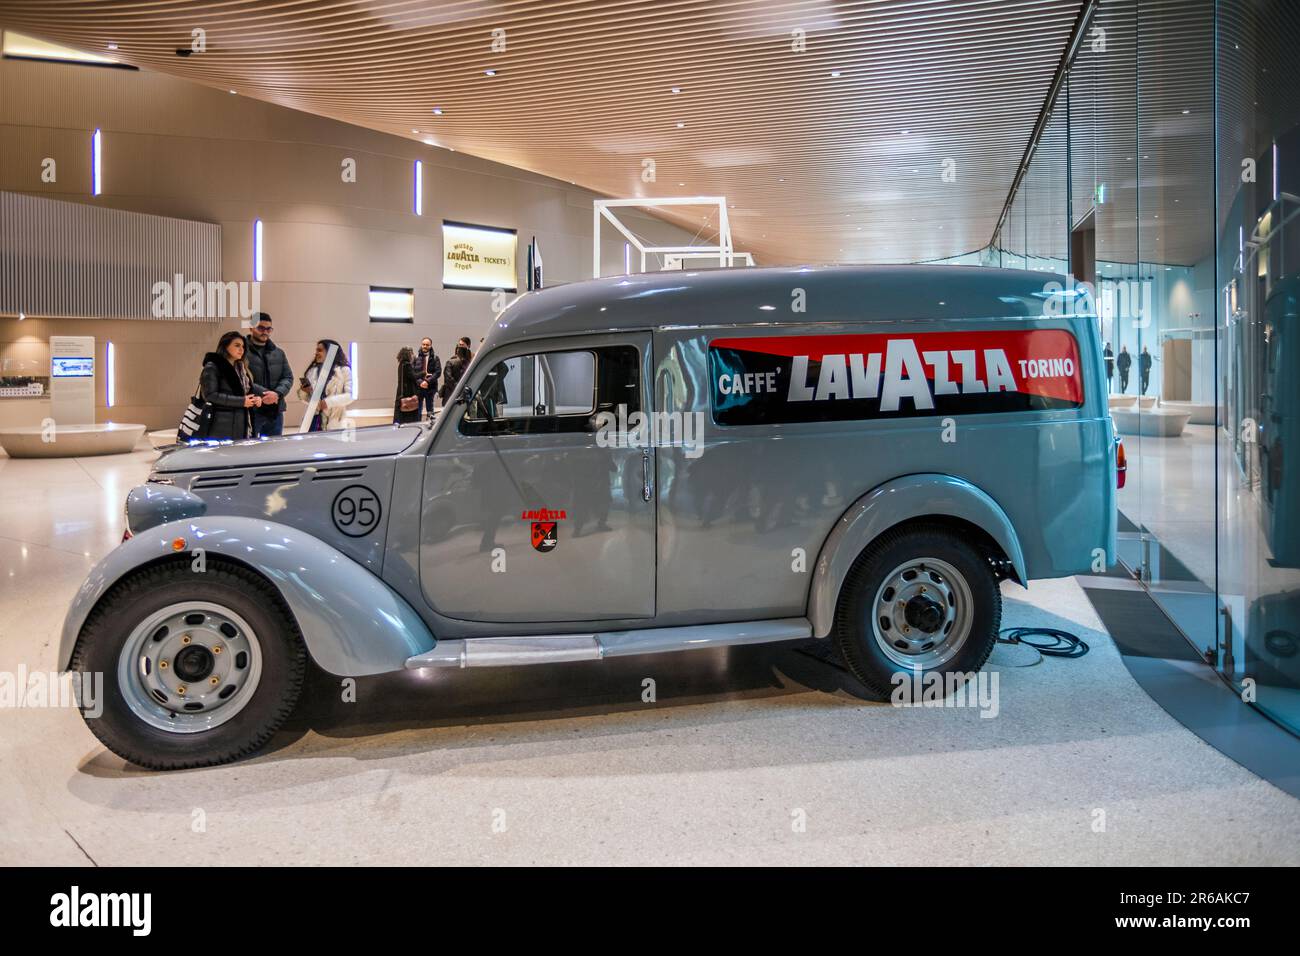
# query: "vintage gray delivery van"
638 464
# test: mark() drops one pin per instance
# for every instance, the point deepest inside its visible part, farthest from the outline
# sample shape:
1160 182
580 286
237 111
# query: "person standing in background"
269 368
337 396
1144 369
406 404
454 371
227 387
1124 362
427 367
1109 355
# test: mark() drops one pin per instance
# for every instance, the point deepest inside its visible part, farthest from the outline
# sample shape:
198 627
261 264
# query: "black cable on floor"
1059 643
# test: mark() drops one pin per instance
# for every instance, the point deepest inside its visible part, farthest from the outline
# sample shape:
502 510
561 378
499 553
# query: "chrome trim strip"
563 648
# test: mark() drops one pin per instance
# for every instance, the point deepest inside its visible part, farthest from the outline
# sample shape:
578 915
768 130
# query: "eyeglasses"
263 328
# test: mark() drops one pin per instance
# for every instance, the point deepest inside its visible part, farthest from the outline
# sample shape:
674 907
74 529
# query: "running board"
559 648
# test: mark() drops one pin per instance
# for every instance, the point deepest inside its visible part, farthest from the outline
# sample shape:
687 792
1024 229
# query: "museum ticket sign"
817 378
478 257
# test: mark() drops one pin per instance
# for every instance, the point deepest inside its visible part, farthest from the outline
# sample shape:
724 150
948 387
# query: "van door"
532 511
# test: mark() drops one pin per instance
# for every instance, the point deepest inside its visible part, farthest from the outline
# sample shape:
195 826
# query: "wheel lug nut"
181 690
186 639
162 665
216 649
214 681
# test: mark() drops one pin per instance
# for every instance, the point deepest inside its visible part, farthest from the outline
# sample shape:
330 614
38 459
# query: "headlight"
155 503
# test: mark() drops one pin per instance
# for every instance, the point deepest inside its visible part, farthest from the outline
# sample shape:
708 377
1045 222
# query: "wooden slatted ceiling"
819 168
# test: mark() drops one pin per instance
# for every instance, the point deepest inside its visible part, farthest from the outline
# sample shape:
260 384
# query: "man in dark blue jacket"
269 368
427 367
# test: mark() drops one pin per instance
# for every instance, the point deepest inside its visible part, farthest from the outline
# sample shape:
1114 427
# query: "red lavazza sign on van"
817 378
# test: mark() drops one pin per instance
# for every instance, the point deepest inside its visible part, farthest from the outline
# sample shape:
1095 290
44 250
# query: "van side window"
554 392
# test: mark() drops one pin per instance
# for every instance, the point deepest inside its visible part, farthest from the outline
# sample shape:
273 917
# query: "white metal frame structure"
723 251
677 260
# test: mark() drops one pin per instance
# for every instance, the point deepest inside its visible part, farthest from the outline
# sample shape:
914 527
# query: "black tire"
854 630
283 664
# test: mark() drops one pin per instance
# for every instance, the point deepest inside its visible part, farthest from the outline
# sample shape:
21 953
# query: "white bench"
70 441
1201 413
1153 422
1131 401
362 417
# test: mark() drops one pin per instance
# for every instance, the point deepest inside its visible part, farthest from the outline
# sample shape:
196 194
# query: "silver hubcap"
923 614
189 667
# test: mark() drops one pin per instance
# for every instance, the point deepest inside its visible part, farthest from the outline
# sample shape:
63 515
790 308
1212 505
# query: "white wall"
178 149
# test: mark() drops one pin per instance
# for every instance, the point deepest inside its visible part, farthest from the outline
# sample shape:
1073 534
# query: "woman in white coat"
334 402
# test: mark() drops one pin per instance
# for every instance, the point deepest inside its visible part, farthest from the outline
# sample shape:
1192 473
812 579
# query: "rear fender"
890 504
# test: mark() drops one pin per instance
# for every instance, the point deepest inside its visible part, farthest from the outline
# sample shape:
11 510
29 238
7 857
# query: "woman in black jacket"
406 389
452 372
228 387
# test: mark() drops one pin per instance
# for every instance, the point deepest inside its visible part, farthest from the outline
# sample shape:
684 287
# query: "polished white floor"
541 765
1216 530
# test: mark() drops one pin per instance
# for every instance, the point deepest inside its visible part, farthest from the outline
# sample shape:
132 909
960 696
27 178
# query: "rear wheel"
919 600
199 668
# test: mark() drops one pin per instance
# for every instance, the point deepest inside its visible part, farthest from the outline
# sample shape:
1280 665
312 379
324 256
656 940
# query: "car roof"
765 296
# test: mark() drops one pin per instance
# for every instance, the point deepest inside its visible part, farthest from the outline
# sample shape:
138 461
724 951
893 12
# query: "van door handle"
645 474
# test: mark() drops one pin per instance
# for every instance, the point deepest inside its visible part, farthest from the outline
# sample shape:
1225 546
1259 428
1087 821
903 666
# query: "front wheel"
199 668
919 600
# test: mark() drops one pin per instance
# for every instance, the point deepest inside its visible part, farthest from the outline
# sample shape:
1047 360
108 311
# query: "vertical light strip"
110 376
627 258
1275 172
352 359
419 188
257 250
96 168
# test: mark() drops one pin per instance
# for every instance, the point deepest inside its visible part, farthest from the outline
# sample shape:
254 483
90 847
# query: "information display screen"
72 367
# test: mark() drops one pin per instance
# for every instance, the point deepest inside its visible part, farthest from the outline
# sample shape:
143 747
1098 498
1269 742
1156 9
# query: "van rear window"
819 378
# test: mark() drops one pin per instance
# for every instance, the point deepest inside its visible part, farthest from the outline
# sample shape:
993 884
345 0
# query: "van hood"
376 441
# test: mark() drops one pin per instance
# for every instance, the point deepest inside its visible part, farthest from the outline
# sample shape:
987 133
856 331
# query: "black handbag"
196 423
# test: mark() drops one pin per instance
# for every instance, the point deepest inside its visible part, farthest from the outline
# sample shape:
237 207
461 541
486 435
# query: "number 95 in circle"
356 511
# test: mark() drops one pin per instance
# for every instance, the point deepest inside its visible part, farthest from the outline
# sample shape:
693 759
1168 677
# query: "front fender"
913 496
352 622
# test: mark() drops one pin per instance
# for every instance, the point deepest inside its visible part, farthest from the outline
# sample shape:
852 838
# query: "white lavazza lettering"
858 376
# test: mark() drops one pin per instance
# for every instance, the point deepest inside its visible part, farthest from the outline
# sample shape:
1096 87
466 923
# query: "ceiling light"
232 92
112 46
681 125
835 74
1185 112
437 111
30 48
489 72
675 89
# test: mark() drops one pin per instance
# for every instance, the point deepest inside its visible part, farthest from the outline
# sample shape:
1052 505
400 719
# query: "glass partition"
1196 278
1257 132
